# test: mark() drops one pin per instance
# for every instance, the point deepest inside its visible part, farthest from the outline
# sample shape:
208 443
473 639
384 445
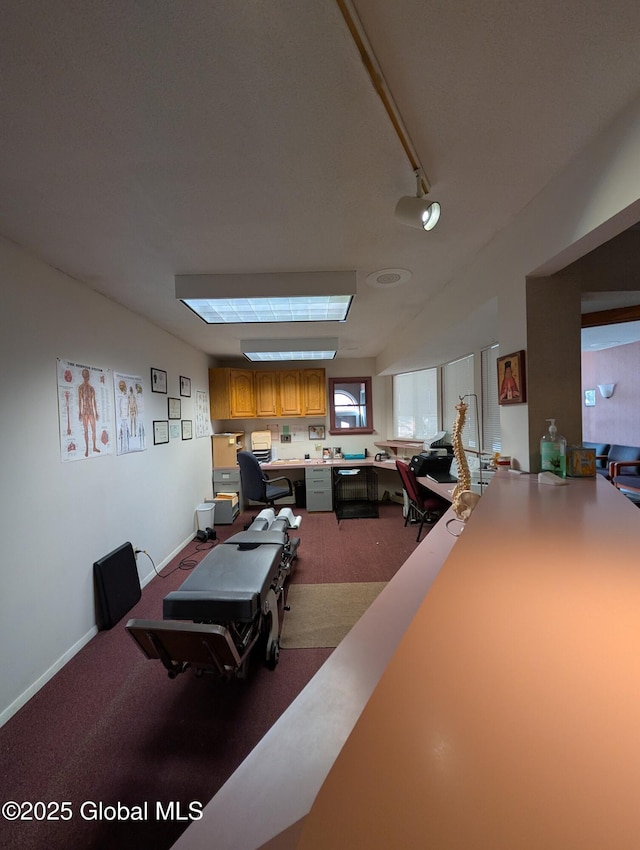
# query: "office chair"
255 484
422 505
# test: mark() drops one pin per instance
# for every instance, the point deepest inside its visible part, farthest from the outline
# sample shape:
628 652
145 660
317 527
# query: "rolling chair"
255 484
422 505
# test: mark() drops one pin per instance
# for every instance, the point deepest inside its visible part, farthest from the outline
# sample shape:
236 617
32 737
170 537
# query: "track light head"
418 212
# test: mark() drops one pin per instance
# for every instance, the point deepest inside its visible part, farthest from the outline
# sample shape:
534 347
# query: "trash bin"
300 493
205 513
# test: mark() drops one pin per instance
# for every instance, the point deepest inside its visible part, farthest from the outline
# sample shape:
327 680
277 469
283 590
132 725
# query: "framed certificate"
160 431
175 407
187 429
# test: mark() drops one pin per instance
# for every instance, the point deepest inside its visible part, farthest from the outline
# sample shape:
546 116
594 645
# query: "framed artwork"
316 432
160 431
175 408
589 398
158 381
174 430
512 379
187 429
185 386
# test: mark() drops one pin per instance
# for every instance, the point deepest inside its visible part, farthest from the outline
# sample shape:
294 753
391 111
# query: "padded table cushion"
249 539
228 586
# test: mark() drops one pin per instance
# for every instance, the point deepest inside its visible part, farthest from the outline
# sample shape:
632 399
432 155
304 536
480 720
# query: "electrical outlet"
285 438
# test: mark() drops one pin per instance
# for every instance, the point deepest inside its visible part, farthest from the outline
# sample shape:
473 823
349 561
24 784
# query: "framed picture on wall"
589 398
158 381
175 408
185 386
316 432
512 379
187 429
160 431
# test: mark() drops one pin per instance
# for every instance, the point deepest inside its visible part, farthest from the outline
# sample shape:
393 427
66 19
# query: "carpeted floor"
112 728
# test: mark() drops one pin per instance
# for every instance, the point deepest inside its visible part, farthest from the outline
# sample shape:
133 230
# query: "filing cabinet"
318 485
227 482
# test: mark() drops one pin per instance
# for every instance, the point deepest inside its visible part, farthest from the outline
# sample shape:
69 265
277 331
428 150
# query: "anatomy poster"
202 415
85 407
130 426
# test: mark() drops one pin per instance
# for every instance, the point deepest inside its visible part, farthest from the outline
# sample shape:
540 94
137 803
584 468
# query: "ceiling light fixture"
418 211
257 298
267 350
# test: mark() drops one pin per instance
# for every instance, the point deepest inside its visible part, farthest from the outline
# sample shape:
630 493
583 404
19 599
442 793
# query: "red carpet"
112 728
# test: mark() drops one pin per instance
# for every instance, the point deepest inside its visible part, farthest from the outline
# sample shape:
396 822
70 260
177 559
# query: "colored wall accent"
615 419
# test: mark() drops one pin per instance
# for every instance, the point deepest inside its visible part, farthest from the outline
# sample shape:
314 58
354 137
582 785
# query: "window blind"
457 380
491 434
415 404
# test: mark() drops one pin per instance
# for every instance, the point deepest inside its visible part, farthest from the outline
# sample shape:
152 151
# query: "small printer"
430 463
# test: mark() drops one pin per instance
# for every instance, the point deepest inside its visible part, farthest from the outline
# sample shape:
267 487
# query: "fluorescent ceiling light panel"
252 298
236 311
263 350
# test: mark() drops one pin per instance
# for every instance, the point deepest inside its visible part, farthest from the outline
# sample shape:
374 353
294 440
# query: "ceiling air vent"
388 278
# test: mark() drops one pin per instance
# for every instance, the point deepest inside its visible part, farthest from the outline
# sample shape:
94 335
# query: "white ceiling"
142 140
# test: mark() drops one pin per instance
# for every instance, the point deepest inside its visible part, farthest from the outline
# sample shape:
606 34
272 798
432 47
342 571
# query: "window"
350 407
415 404
491 435
457 380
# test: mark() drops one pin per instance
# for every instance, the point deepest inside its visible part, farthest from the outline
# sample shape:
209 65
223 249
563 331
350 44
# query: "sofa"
620 464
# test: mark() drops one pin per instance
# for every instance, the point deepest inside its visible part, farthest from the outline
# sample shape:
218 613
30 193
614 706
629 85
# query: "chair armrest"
616 465
288 480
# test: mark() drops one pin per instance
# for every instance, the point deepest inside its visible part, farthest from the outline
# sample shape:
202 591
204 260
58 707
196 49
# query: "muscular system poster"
85 409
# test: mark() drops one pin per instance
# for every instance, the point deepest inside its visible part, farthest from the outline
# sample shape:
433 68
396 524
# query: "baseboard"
42 680
144 580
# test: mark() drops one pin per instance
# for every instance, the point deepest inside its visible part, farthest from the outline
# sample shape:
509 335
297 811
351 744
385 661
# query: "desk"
319 473
445 491
343 463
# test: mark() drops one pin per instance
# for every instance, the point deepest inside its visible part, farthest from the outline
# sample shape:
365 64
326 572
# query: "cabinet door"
219 401
290 395
266 394
243 400
314 392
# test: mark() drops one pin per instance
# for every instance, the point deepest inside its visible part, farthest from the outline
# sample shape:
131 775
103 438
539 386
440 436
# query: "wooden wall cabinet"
290 393
251 394
266 384
232 394
314 392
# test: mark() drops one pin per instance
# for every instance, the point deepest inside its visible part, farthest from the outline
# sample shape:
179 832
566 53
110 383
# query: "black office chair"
256 486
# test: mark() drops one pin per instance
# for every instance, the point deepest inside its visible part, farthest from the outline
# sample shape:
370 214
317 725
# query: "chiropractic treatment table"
234 600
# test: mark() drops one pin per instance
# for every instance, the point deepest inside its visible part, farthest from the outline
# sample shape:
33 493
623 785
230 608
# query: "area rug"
320 615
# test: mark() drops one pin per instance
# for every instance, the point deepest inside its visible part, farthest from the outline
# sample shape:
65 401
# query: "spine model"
464 476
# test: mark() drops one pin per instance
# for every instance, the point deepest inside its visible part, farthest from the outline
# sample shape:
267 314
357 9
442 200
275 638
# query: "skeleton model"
464 500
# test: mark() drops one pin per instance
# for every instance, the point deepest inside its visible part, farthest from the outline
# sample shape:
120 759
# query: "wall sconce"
606 390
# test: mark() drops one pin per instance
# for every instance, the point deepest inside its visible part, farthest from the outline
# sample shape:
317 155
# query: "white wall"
592 200
57 518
